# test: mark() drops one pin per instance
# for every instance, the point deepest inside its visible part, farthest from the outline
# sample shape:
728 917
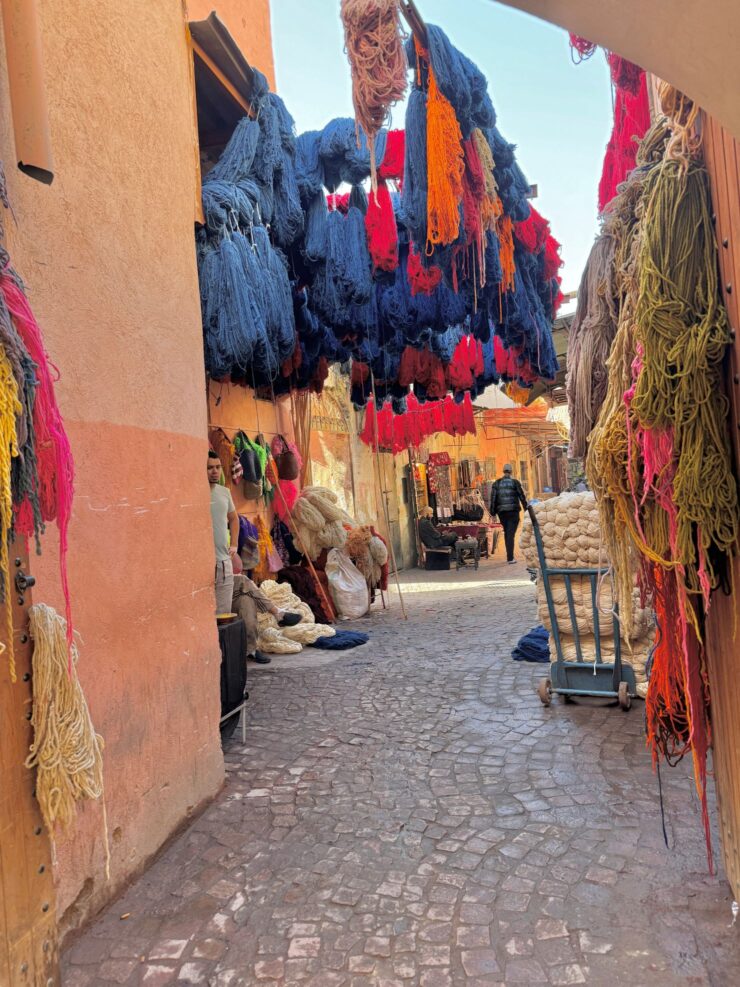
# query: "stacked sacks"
571 537
287 640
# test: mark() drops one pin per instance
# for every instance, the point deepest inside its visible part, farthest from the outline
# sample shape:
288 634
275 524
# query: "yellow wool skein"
10 409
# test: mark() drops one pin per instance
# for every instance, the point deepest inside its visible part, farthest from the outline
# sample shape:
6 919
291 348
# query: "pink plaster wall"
107 253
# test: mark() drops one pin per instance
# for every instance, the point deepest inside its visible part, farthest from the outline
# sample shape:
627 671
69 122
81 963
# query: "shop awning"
527 422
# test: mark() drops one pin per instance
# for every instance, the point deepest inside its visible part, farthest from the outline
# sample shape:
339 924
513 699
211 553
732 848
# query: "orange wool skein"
445 168
506 252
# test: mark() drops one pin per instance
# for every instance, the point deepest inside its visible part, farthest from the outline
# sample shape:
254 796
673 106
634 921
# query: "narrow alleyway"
409 814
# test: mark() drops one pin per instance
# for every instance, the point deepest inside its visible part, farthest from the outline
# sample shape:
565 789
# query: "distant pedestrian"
507 500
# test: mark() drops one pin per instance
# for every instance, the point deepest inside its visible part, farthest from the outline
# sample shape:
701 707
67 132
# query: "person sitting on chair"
430 537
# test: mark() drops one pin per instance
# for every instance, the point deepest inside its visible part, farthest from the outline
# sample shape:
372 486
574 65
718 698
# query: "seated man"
430 537
248 601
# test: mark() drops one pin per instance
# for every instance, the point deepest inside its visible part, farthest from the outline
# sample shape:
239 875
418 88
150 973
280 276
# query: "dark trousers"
510 522
448 540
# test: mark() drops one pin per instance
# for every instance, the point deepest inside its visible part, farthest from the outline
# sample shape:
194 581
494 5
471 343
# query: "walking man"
507 500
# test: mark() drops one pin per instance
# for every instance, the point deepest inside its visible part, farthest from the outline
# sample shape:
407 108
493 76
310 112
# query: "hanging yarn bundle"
661 433
10 409
581 48
631 122
589 341
43 473
66 751
445 168
374 43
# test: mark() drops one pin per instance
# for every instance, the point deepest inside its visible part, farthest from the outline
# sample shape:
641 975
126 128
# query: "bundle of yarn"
287 640
66 751
319 521
571 538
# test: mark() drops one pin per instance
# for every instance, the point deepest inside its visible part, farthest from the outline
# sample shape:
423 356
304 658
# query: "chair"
437 559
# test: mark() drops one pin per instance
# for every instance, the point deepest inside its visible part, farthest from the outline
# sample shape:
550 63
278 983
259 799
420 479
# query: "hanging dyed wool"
506 253
589 342
491 207
415 177
422 280
382 232
631 122
66 751
611 461
374 42
445 168
54 454
10 410
581 48
395 150
682 332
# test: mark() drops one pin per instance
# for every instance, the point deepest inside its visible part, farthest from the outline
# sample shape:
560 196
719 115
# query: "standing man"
237 594
507 500
225 523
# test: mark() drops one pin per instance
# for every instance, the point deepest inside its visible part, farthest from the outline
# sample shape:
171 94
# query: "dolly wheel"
625 699
544 691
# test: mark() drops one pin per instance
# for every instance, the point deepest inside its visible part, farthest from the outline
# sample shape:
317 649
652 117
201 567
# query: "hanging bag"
286 461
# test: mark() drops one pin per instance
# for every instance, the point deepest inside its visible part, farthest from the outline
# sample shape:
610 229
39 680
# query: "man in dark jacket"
507 500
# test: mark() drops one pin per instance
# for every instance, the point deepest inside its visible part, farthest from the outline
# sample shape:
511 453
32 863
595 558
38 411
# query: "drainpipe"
27 94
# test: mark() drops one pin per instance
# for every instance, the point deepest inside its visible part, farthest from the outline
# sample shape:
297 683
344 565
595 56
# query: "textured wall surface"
693 44
108 257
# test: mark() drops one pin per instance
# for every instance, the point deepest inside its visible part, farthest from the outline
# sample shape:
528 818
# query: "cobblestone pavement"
409 814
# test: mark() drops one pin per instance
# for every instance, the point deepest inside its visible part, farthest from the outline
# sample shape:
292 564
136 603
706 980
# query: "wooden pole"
385 507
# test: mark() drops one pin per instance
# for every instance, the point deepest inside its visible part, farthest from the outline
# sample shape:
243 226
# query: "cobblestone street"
408 813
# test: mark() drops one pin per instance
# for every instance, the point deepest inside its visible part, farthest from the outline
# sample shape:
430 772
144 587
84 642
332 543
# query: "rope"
66 751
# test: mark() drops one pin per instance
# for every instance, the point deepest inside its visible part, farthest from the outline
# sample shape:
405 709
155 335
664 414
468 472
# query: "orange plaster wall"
107 254
248 22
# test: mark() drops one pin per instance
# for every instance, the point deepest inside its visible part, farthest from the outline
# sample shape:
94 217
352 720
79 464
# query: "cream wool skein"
66 751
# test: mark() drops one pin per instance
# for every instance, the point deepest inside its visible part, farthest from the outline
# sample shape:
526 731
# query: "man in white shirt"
246 599
225 523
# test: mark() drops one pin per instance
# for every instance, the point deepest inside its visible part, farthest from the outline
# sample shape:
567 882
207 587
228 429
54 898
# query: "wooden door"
722 154
28 938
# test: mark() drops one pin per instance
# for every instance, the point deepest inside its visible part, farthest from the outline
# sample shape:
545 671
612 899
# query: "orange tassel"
445 167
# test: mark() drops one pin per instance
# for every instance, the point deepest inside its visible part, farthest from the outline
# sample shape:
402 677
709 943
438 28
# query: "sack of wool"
348 587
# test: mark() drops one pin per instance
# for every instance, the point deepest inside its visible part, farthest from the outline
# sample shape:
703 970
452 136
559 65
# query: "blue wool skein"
237 157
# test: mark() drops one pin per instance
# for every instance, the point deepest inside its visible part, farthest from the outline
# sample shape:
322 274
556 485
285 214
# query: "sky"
557 113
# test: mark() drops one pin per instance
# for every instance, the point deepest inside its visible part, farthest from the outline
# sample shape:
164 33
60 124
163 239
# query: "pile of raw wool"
320 521
569 525
287 640
369 554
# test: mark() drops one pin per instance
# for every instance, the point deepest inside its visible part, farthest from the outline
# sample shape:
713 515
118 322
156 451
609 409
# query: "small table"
463 545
